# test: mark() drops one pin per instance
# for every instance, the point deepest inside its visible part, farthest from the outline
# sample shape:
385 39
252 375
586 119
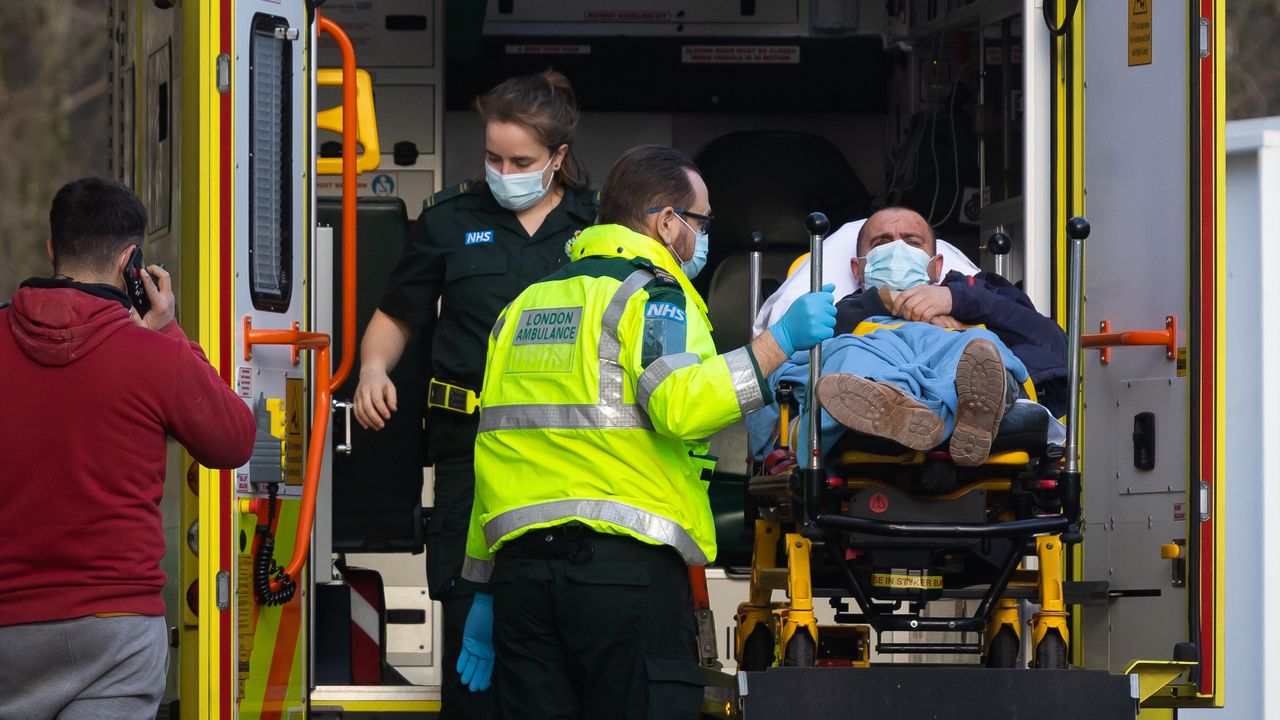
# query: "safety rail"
1104 339
319 343
349 128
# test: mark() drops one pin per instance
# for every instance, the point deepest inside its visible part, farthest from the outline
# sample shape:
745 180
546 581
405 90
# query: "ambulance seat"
728 294
378 488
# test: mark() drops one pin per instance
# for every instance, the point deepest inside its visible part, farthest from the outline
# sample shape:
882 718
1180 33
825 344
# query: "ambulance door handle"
345 407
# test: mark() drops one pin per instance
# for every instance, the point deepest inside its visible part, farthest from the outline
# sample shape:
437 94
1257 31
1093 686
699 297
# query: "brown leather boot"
881 409
980 389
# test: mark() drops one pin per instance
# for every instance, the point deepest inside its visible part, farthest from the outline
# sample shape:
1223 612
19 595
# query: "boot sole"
878 409
980 390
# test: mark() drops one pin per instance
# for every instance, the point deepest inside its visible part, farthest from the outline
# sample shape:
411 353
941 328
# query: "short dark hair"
644 177
933 236
92 220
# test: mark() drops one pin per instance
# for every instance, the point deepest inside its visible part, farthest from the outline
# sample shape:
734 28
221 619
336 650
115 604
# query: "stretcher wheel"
1051 653
757 651
1003 650
801 650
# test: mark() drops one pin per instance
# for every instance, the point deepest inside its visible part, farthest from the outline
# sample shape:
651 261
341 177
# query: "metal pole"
1077 231
999 245
757 244
813 475
817 225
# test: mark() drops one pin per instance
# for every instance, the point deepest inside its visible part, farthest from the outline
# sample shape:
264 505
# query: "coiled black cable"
265 568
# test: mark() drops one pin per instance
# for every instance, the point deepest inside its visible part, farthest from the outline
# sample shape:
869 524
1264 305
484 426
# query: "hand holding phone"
150 291
133 283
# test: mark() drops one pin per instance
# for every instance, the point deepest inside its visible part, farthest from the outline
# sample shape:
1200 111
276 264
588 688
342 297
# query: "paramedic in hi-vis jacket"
601 388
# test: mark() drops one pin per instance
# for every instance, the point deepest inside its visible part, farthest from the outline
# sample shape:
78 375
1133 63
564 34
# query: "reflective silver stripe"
745 385
609 351
497 325
476 570
642 522
609 411
564 417
658 371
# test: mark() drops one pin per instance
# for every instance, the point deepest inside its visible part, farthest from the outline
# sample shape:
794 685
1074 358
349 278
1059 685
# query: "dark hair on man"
933 236
646 176
92 220
543 104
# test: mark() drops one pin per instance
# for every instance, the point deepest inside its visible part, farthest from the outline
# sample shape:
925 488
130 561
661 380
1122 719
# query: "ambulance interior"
787 106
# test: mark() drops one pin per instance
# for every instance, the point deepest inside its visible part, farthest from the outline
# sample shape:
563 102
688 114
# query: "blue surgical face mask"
701 245
896 265
517 191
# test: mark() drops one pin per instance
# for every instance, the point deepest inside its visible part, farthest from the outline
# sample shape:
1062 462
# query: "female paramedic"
474 248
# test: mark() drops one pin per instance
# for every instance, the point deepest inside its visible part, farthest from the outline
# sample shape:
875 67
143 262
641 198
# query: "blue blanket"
918 357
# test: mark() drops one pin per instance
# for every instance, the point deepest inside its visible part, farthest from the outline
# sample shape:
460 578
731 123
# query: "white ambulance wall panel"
1136 273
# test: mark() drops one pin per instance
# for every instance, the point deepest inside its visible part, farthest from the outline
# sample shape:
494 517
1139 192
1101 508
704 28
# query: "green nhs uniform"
470 257
601 388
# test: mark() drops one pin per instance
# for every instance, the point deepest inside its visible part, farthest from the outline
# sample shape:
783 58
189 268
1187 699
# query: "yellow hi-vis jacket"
601 387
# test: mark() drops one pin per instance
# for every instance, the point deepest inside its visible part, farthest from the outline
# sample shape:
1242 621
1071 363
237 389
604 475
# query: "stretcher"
880 531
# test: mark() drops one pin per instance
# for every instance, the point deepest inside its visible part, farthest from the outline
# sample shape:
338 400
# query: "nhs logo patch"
478 237
664 310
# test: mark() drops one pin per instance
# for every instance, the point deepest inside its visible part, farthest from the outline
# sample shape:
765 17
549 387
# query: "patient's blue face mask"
896 265
701 245
517 191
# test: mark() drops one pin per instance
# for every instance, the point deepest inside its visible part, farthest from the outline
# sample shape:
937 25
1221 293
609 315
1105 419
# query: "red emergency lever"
1104 340
318 342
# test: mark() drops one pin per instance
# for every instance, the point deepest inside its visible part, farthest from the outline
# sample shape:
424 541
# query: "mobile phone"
133 285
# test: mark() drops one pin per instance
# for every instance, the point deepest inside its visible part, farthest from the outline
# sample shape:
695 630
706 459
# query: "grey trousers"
99 668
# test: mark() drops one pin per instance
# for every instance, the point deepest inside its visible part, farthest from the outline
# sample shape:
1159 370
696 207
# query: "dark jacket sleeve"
856 307
202 412
418 277
991 300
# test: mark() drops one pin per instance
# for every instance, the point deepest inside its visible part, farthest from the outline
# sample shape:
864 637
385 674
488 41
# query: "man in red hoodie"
91 390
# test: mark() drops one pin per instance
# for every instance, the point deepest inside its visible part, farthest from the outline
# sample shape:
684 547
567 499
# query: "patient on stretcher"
908 364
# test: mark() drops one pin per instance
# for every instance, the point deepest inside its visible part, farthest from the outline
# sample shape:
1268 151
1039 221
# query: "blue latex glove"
810 320
475 662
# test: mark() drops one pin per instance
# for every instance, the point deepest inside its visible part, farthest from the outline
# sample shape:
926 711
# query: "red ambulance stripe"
1207 340
227 672
273 699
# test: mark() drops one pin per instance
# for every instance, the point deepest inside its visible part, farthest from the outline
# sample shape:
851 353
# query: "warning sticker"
909 582
544 49
878 502
640 16
740 54
244 381
293 409
1139 32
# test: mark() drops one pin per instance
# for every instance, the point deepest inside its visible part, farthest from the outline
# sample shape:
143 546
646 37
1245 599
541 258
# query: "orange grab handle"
1105 340
319 342
348 204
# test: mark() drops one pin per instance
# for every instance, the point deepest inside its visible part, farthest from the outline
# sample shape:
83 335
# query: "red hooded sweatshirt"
88 399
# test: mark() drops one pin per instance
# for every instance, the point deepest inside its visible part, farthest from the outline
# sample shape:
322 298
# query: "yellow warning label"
1139 32
293 409
908 582
244 618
